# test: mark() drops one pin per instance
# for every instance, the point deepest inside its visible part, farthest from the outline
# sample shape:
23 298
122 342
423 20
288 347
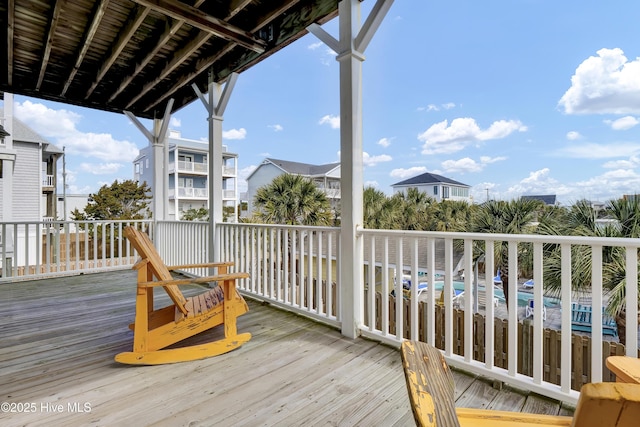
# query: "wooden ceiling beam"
11 22
169 31
86 42
205 22
53 23
236 7
204 63
123 38
179 57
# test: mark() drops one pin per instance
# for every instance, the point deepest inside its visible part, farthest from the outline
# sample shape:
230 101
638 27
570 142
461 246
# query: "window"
445 192
185 158
136 168
435 190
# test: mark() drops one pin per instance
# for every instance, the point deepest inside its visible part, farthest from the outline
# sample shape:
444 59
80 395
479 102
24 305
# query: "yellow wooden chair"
156 329
431 392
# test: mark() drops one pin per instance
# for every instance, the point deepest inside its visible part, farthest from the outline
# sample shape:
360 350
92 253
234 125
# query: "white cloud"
448 105
630 163
385 142
333 121
573 135
314 46
538 182
444 138
276 127
175 122
242 177
623 123
462 165
59 126
607 83
235 134
101 168
373 184
368 160
402 173
599 151
469 165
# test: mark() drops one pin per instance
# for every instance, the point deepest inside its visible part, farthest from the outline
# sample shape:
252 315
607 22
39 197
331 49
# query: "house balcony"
196 168
293 366
189 193
48 183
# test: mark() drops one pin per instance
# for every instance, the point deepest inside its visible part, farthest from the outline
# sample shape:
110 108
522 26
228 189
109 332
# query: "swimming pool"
523 297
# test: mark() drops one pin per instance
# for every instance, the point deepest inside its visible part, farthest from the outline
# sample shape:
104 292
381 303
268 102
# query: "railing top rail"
104 221
294 227
520 238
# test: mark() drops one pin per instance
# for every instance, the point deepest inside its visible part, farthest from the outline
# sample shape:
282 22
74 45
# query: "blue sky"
511 97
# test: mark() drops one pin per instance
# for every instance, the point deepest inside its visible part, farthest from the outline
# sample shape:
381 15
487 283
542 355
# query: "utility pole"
487 190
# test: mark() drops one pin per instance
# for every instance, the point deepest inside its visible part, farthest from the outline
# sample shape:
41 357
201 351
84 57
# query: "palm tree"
292 200
581 220
509 217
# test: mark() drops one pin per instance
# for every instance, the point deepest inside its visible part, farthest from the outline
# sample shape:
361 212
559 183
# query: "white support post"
350 47
158 141
215 105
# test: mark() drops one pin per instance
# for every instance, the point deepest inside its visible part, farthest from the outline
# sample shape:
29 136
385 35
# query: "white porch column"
216 105
354 40
160 153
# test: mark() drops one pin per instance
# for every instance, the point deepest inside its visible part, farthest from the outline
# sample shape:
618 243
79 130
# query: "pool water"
523 297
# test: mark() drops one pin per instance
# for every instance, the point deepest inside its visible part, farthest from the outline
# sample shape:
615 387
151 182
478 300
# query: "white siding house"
34 177
326 177
436 186
28 180
188 176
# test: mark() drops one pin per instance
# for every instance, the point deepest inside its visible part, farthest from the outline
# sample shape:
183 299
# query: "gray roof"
3 132
302 168
547 199
429 178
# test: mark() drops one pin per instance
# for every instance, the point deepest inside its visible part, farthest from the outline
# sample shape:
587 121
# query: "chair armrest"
217 278
627 369
201 265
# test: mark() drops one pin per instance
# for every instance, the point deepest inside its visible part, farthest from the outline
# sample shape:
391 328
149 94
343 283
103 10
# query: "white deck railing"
395 253
30 250
298 268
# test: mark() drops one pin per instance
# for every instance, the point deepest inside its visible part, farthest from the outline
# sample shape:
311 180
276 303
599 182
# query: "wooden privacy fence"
580 352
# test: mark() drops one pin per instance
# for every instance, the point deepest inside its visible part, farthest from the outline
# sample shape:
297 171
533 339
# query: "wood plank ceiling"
135 55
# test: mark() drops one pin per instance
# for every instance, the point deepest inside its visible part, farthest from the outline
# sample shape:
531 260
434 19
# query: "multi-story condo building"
326 177
188 173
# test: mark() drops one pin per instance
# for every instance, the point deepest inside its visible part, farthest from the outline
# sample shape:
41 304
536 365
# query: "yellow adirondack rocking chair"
156 329
431 393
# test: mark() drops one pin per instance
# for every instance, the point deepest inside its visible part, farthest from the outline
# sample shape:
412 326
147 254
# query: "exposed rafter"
205 22
49 42
10 27
86 42
169 31
137 54
205 63
122 41
178 59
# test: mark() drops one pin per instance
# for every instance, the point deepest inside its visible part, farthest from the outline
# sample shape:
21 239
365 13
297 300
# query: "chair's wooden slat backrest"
430 385
145 248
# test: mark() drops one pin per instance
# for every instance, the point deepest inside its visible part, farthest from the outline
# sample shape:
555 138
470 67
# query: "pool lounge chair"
581 320
528 284
529 310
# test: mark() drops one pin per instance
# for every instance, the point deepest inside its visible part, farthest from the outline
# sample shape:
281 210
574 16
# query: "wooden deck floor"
59 336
